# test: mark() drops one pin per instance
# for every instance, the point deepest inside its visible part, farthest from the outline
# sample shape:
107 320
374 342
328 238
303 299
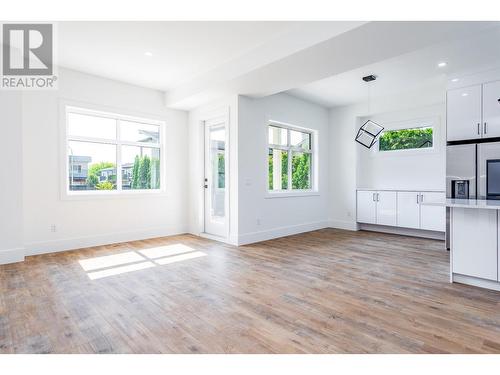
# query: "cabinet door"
433 217
463 113
408 209
474 242
491 109
386 208
366 207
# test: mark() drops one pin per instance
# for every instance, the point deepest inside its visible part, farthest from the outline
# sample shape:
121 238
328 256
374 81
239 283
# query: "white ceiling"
412 71
196 62
181 51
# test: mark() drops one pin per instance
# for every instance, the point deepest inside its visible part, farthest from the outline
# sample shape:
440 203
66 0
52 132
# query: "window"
406 139
112 152
290 158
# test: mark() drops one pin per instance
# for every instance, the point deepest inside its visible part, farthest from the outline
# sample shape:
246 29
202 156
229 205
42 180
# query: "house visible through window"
406 139
99 145
290 158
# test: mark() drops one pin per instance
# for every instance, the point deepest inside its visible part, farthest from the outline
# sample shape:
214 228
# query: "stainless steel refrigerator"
467 173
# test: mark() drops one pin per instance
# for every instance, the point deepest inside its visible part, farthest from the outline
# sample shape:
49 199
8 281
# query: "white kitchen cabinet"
386 208
366 211
474 246
491 109
432 217
463 111
408 209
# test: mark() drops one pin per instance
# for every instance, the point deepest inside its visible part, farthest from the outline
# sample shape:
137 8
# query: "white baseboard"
54 246
340 224
474 281
12 255
404 231
248 238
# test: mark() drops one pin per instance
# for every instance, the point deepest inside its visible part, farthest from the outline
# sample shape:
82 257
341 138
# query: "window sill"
288 194
94 195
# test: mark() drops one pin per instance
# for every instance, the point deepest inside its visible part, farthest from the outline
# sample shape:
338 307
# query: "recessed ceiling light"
442 64
148 54
465 94
454 80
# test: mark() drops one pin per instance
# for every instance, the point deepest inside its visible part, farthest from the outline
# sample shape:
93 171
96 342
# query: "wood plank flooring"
328 291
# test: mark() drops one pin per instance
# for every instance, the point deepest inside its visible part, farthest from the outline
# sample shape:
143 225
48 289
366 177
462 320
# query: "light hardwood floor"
328 291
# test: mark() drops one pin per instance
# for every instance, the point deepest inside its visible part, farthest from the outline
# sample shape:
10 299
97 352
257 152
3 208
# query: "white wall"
350 162
261 217
410 169
94 221
11 181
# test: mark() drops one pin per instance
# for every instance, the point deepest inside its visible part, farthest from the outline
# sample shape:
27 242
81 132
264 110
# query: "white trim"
342 224
65 244
290 194
474 281
249 238
12 255
422 233
113 113
313 151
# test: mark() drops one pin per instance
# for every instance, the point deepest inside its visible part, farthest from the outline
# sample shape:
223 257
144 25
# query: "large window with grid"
109 153
290 158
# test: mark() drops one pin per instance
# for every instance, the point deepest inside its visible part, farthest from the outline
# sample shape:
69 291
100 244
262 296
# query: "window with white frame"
290 158
110 152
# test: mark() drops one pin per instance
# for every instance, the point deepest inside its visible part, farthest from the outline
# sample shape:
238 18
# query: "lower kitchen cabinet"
376 207
432 217
386 208
402 209
474 233
408 209
366 210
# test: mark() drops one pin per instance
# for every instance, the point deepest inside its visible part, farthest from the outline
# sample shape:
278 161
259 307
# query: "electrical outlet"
53 228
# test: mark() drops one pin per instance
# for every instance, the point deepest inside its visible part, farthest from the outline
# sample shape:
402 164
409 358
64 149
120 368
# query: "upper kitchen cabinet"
463 113
491 109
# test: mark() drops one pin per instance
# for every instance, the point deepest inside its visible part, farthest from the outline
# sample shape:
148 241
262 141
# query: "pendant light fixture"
370 130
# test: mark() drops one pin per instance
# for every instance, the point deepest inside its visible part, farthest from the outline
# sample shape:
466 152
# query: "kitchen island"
474 250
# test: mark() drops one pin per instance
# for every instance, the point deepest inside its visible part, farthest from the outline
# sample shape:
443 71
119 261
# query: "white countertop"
467 203
395 189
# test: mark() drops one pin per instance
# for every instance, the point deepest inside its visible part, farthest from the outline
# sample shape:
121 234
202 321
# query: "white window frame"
290 149
116 142
417 123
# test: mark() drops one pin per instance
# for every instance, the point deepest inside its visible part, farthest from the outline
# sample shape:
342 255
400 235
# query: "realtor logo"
27 56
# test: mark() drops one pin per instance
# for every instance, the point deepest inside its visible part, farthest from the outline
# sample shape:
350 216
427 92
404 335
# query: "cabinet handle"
418 198
485 128
478 128
421 198
373 197
378 198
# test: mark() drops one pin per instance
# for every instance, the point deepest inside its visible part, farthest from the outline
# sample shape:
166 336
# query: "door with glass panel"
215 177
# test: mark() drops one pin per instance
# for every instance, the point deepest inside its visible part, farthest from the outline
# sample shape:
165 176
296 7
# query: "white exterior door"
408 209
216 163
386 208
474 246
464 113
491 109
366 207
433 217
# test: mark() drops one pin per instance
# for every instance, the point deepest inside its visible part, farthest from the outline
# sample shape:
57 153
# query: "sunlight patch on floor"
116 264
